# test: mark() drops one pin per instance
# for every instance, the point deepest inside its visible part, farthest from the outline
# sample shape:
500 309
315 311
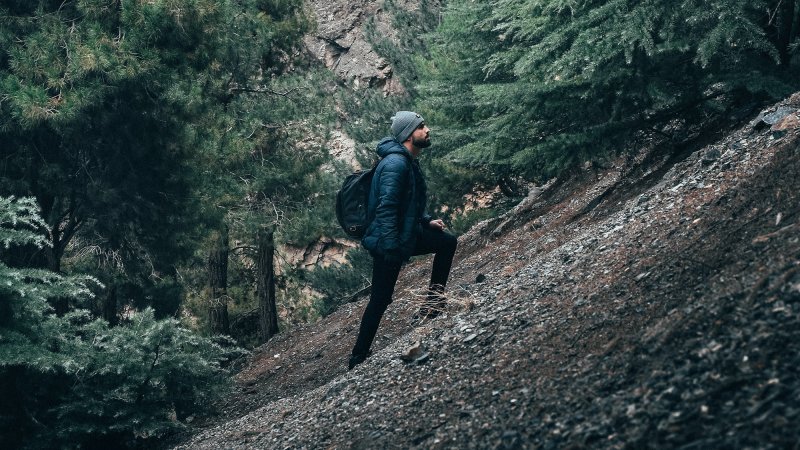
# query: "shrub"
73 380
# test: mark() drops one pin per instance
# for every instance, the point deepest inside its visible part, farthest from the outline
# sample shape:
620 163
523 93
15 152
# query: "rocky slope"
651 304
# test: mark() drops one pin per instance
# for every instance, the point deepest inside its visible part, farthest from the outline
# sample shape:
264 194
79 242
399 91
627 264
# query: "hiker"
400 227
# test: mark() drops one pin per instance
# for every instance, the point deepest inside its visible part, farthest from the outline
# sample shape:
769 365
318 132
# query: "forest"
157 156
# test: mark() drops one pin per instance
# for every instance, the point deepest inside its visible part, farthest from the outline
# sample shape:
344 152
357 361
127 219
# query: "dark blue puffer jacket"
397 200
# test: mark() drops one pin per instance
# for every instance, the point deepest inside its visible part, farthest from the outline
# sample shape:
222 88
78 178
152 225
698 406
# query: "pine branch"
262 91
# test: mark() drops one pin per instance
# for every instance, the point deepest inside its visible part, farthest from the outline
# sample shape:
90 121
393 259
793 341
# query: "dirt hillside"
654 303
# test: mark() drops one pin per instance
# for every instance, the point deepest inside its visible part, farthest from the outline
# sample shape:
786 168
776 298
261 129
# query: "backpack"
351 202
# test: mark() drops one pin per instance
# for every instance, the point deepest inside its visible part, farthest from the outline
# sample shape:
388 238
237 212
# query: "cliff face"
340 42
651 304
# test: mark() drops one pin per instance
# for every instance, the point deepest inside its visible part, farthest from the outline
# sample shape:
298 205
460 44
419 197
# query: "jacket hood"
389 145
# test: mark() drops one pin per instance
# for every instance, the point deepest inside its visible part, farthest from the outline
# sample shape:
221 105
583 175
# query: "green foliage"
140 126
94 119
74 381
338 283
533 87
448 183
138 380
463 222
368 117
18 222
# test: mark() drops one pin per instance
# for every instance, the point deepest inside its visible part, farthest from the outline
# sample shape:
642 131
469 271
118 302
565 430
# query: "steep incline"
652 304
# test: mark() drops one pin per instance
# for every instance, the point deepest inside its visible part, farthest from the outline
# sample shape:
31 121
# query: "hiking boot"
433 306
426 313
435 303
355 360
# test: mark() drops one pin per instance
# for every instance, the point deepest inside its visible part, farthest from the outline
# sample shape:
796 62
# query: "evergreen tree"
73 381
263 174
98 99
115 116
535 86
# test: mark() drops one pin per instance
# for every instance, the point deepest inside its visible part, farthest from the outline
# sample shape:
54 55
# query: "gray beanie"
404 123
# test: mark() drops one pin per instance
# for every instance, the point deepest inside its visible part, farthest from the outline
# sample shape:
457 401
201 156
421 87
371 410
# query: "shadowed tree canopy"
110 112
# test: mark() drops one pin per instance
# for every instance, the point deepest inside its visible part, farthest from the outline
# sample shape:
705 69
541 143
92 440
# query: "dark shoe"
434 304
426 313
356 360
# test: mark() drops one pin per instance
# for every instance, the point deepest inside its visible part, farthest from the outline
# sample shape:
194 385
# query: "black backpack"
352 199
351 202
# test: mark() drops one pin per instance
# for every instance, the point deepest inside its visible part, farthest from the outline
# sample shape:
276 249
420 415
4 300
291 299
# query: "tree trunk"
265 289
109 306
794 29
12 405
786 23
218 282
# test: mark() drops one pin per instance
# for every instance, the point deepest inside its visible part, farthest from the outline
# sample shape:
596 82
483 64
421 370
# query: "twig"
773 13
766 237
244 247
349 298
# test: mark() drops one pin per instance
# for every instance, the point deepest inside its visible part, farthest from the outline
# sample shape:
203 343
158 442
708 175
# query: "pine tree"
265 285
73 381
96 122
536 86
116 116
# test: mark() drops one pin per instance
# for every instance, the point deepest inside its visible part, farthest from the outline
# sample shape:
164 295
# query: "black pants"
384 277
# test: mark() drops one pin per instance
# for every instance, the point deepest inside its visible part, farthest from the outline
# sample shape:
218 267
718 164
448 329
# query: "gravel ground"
651 304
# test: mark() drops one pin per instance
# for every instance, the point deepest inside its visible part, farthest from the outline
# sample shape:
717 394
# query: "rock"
422 359
412 353
790 122
341 44
765 119
470 338
711 155
778 115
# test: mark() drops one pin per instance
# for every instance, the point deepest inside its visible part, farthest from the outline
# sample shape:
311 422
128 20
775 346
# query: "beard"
421 143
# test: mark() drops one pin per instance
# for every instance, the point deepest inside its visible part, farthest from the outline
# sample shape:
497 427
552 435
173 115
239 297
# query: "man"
400 227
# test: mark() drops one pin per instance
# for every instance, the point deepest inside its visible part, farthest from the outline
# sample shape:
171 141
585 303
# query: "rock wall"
340 43
322 253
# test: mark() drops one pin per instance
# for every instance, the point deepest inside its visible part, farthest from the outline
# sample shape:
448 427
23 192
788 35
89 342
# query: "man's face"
421 137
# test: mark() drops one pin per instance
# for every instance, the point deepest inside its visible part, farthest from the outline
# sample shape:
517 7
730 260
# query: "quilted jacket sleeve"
425 220
391 191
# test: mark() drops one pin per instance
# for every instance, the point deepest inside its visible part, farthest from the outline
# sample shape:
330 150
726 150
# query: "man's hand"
436 224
